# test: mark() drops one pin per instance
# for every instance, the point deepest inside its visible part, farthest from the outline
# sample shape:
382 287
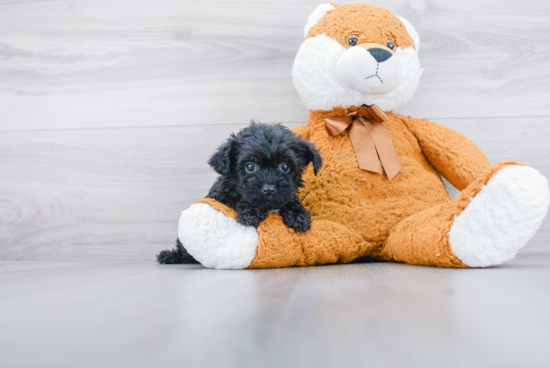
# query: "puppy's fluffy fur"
260 172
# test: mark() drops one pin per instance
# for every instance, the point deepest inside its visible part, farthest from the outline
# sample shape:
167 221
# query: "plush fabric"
314 72
357 213
369 23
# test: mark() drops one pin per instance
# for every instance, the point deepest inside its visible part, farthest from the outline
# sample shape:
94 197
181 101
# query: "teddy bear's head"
356 54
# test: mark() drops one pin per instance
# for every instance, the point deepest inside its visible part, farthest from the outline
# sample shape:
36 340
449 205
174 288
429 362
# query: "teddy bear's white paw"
215 240
501 218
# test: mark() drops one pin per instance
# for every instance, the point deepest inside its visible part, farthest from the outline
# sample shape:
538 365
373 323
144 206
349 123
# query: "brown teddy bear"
380 192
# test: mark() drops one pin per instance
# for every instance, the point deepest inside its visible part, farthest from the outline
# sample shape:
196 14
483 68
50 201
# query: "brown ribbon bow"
369 137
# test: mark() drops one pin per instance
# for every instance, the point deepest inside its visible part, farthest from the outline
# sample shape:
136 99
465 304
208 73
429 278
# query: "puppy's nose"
268 189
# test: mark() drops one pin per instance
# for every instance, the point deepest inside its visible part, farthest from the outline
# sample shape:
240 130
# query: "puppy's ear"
308 153
221 159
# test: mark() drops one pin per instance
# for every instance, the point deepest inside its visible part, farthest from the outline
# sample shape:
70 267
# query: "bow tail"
363 144
384 147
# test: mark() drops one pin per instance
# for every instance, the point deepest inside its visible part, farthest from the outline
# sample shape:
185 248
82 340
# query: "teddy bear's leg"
210 233
487 224
326 242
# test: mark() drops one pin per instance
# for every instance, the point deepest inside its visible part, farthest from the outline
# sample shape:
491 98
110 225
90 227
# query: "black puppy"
260 172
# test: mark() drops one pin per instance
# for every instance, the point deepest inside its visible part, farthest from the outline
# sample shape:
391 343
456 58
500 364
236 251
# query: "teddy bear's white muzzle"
359 70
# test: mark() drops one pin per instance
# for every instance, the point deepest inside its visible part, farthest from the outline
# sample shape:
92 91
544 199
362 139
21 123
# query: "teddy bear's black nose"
380 55
268 189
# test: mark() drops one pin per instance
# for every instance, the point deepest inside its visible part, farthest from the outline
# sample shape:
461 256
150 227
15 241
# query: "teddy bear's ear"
316 16
412 32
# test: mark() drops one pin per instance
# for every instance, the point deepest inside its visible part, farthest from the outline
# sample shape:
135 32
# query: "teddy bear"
380 192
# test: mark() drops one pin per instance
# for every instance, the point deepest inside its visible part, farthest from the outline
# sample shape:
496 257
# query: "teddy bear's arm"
456 157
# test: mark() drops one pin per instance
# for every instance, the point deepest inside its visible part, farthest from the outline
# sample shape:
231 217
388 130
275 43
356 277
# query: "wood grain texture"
140 314
117 193
78 64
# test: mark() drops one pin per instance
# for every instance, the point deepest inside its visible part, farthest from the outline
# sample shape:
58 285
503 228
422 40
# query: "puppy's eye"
390 45
284 167
352 40
250 167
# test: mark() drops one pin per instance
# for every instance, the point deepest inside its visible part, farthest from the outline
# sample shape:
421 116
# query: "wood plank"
89 192
139 314
121 64
117 193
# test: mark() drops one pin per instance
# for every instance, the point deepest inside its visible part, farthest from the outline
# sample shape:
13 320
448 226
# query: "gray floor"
140 314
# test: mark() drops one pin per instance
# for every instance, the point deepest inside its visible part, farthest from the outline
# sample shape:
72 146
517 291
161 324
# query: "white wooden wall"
109 109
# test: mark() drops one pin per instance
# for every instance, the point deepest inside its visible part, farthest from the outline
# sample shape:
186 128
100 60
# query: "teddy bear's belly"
368 202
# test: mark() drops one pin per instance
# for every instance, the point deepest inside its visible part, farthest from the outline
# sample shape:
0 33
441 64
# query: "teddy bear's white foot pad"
501 218
215 240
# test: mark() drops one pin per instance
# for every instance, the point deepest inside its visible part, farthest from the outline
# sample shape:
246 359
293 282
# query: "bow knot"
369 137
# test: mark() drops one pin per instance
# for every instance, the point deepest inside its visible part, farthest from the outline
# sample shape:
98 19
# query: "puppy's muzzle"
379 52
268 189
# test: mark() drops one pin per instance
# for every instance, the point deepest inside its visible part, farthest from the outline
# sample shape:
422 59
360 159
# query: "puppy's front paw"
298 219
251 217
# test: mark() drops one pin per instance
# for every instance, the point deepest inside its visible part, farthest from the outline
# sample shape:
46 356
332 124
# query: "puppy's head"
266 163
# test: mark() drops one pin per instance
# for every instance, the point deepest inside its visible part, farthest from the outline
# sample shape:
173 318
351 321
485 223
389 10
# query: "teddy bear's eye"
352 40
390 45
